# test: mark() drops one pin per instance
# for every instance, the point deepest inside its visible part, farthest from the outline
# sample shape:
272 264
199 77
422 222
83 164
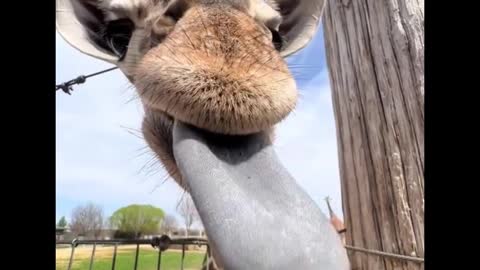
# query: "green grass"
147 260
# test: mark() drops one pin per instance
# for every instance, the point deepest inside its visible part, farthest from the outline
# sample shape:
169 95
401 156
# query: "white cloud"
306 144
97 158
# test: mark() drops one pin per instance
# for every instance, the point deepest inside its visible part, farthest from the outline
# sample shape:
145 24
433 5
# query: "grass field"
147 259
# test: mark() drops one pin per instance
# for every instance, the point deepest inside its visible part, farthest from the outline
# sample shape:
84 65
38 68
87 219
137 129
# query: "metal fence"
159 243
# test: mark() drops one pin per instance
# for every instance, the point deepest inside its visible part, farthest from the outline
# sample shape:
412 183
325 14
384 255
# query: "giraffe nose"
220 75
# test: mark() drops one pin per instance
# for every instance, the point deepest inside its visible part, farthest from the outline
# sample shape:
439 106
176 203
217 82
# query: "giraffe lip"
254 213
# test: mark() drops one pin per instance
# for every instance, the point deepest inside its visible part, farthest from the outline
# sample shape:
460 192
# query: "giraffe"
213 82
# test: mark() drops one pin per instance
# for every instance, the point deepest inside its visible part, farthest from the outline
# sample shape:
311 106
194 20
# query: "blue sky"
101 159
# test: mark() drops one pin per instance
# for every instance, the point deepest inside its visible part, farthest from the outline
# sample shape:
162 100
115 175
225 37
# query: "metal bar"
386 254
67 86
91 257
175 241
100 72
183 256
205 262
208 257
159 258
136 257
71 255
114 256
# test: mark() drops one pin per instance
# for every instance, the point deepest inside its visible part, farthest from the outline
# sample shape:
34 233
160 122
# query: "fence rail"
161 243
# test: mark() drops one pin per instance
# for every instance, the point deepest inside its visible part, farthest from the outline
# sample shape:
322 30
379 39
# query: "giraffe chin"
248 202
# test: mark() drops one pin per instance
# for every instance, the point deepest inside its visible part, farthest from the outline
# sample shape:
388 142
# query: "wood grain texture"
375 51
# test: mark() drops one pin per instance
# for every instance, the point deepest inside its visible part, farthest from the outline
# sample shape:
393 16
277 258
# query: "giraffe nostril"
176 9
277 40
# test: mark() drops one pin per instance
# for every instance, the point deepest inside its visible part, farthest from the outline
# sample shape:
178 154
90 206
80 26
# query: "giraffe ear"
300 19
80 23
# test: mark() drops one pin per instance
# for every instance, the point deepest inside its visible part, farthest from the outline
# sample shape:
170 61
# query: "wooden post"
375 52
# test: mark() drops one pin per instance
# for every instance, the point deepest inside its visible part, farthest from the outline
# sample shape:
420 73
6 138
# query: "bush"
124 235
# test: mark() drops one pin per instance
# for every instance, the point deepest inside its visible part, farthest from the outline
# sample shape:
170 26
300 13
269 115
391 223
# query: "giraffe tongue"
253 211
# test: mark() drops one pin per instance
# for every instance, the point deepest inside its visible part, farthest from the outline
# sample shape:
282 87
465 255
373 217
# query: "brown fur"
215 68
220 74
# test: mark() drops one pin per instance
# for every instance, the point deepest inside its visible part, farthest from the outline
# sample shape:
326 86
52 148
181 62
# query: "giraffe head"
213 81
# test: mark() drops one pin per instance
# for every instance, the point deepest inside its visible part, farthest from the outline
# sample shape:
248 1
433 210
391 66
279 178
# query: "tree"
169 224
135 220
62 223
375 55
87 219
189 213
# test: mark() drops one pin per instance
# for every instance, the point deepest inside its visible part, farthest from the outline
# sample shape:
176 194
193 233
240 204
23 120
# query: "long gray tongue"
254 213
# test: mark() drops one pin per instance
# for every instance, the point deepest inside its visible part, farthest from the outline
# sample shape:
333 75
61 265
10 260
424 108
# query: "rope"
386 254
67 86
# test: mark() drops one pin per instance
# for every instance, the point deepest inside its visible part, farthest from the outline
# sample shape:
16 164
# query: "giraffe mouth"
255 214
